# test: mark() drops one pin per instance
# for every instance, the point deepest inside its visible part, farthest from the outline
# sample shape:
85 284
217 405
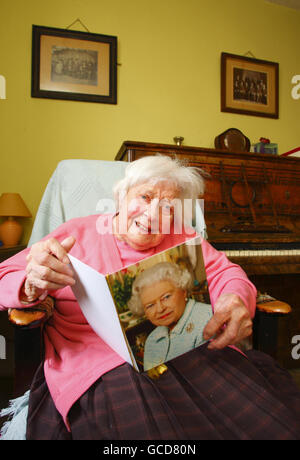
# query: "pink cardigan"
75 357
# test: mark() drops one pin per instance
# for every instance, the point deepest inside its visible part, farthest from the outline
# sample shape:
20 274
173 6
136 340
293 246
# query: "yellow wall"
168 81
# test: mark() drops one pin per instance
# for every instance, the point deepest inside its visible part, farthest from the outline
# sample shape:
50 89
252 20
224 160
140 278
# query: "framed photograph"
249 86
73 65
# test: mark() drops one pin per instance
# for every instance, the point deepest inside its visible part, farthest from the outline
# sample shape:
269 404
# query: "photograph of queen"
162 294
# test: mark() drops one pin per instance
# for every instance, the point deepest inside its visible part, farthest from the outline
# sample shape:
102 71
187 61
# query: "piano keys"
264 259
266 263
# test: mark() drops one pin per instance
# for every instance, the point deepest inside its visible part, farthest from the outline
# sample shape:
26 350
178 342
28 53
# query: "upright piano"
252 213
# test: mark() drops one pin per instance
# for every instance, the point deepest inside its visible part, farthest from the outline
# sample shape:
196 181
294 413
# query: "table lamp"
12 205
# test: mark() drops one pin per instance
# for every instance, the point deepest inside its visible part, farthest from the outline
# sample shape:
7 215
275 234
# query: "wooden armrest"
268 304
32 317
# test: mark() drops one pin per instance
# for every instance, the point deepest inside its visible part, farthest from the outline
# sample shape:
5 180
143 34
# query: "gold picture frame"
249 86
73 65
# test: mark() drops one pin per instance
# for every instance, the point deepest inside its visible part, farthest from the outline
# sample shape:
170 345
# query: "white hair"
163 271
187 179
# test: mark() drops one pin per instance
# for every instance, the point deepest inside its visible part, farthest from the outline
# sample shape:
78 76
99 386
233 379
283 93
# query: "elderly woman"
161 294
84 390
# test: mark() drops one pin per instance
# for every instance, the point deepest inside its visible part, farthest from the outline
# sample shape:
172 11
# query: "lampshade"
12 205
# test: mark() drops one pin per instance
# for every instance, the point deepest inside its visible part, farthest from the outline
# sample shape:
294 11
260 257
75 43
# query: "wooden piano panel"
266 207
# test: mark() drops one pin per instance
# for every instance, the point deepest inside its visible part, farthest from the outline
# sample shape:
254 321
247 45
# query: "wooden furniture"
8 365
24 343
7 252
252 212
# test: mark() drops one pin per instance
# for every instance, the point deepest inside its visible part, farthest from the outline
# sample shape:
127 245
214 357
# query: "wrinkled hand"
230 323
47 268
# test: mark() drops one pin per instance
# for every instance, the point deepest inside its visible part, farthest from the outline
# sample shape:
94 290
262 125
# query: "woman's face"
163 303
144 214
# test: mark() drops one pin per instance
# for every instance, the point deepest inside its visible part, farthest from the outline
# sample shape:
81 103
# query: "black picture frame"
263 101
73 65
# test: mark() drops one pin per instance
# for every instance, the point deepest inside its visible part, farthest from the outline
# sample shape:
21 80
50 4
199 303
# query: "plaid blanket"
205 394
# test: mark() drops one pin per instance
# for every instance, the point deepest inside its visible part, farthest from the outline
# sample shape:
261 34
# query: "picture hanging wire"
78 20
249 53
85 27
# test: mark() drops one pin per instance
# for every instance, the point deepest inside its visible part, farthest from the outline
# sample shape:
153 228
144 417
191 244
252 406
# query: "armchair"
75 190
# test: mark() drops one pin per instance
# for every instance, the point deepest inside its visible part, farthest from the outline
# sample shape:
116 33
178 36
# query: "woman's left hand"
230 323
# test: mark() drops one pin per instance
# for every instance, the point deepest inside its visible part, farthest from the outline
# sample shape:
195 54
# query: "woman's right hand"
47 268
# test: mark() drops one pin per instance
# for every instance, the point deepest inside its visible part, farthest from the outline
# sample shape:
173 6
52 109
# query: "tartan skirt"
204 395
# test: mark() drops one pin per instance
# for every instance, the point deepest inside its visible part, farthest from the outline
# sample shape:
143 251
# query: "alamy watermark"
296 349
158 216
2 87
2 347
296 89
